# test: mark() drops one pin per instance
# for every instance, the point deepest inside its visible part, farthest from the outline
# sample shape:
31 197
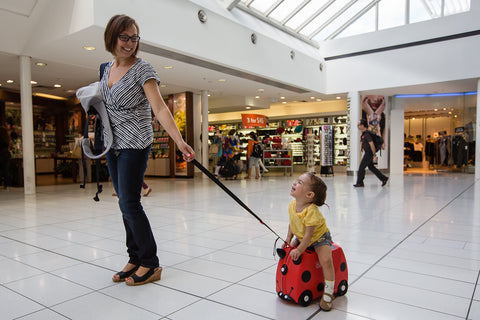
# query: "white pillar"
197 127
354 116
477 135
27 125
397 130
205 128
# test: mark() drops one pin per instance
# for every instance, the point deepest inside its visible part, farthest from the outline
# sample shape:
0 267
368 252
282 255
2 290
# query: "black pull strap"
84 166
98 162
231 194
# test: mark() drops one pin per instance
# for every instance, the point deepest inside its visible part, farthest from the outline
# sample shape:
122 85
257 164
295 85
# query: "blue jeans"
127 169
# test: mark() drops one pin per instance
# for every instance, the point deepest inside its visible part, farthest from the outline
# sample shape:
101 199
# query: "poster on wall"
373 110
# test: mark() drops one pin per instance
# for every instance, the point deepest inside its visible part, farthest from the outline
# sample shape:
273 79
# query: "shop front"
315 138
439 132
58 131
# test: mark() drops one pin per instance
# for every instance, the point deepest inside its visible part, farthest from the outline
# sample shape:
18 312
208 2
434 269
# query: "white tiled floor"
412 247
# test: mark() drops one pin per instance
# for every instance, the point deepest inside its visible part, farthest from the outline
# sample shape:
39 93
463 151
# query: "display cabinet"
281 158
159 161
45 143
327 150
340 141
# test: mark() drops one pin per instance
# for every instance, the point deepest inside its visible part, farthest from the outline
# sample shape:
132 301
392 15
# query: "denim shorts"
325 240
253 162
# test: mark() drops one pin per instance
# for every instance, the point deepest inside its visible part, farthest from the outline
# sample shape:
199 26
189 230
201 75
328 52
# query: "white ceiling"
69 65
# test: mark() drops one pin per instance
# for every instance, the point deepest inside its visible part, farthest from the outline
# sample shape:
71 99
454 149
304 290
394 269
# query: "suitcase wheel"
305 298
342 288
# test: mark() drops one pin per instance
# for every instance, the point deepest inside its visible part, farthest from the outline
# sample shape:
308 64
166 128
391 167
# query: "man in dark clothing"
369 156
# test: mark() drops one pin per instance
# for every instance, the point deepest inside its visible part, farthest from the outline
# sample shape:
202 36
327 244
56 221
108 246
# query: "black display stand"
326 163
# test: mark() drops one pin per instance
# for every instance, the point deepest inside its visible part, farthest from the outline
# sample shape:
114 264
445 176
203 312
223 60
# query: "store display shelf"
279 158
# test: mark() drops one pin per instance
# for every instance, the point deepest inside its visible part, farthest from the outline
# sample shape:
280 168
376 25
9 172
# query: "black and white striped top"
127 106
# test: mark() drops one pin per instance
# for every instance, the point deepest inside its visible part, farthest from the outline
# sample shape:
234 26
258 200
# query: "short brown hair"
319 188
114 28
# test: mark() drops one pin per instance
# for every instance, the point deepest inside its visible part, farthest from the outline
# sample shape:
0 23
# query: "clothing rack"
450 151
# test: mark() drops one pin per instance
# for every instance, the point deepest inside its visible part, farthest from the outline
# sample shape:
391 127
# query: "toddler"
308 226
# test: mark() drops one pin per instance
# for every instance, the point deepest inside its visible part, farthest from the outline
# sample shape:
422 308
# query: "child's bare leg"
324 254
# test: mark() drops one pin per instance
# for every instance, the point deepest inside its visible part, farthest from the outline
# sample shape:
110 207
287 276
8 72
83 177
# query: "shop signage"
253 120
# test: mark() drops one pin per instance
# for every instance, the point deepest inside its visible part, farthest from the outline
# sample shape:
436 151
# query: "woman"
130 92
253 157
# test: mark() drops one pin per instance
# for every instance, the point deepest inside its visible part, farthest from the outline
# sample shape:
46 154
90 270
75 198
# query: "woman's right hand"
187 151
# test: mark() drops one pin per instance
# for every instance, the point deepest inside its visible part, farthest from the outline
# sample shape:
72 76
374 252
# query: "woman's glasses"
125 38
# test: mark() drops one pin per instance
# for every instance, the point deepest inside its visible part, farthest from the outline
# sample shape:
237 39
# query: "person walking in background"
146 188
253 156
369 156
5 145
130 91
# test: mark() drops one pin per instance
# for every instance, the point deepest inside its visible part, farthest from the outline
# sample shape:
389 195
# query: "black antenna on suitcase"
231 194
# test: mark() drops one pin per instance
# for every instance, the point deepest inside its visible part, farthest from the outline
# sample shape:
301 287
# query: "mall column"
27 125
205 128
354 110
477 137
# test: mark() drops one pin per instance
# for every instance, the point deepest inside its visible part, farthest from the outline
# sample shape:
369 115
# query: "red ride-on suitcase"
302 281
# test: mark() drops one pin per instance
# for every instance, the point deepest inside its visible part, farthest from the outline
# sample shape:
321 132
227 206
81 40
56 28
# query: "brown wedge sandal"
154 274
122 275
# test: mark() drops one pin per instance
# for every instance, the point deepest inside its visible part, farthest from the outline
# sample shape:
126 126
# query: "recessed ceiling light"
257 97
33 82
40 64
49 96
260 90
168 67
284 101
89 48
222 80
208 95
312 98
319 99
338 98
9 81
248 108
57 85
282 97
435 109
163 86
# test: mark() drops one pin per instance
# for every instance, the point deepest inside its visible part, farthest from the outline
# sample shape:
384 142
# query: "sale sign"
253 120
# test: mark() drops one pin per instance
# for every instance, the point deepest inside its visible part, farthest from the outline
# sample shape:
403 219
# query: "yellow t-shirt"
310 216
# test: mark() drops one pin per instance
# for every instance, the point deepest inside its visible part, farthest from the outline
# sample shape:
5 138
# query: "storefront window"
439 131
